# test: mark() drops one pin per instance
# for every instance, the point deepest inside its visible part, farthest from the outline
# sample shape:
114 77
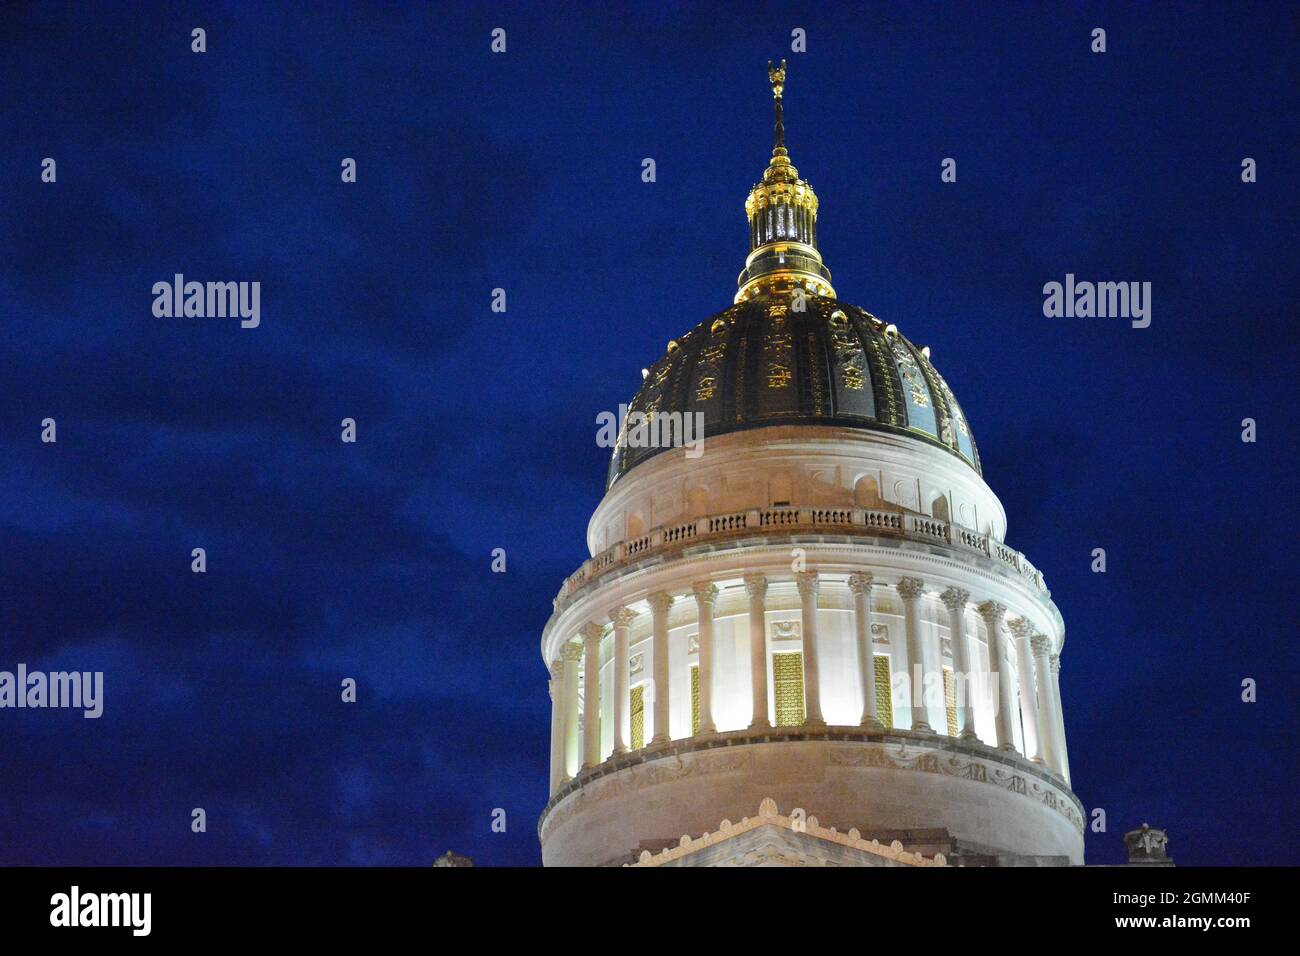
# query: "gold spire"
782 214
776 76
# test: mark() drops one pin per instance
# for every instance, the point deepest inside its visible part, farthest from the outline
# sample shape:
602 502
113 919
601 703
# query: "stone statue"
1147 847
453 859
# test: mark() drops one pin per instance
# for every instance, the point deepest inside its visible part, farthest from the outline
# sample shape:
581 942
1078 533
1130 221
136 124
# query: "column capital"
592 632
1040 644
556 667
955 599
622 616
1020 629
1055 661
860 582
572 651
706 592
755 585
909 589
807 582
993 614
660 602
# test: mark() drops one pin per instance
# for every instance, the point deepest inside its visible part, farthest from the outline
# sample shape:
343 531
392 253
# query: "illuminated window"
884 692
787 678
950 701
695 699
638 716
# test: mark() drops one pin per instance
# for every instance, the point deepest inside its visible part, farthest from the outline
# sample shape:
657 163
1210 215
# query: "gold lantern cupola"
782 213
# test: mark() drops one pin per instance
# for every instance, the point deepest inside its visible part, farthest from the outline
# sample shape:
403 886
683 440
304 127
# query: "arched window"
697 503
939 508
866 493
780 489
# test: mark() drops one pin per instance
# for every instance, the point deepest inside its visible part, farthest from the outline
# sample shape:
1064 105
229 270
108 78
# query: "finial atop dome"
776 76
782 213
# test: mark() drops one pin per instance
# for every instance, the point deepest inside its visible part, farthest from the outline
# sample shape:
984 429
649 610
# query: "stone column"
910 590
963 672
1060 715
705 596
1021 630
556 686
659 605
860 585
621 617
572 755
756 588
1047 721
994 614
812 688
591 635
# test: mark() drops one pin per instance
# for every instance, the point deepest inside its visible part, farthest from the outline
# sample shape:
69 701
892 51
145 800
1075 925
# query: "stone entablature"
891 780
896 749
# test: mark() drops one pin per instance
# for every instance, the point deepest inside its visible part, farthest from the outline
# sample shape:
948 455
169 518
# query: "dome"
750 620
788 352
762 362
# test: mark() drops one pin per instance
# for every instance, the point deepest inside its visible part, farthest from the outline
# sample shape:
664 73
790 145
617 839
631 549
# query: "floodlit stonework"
771 839
820 610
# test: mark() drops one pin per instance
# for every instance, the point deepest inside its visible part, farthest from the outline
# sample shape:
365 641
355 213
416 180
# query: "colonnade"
1035 701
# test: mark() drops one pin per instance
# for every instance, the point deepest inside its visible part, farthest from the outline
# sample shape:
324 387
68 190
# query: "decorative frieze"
887 750
786 631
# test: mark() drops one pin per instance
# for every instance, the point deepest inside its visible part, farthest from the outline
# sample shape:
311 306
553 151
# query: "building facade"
817 606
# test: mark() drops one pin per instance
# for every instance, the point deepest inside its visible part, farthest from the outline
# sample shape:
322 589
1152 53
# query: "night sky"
476 430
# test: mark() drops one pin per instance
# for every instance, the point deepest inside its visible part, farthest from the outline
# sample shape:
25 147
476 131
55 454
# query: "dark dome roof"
760 363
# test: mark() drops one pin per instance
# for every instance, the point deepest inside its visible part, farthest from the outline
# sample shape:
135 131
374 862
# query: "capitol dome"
800 596
762 362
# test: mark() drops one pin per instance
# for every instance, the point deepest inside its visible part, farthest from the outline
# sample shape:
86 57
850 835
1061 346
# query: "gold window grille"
787 679
884 691
950 700
638 716
694 699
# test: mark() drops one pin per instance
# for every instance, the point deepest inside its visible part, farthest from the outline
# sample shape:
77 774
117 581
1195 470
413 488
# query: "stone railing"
888 522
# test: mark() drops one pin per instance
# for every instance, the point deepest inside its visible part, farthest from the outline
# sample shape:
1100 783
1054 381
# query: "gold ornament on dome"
912 376
776 75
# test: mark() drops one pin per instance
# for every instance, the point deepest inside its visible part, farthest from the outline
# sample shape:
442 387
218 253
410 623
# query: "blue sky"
477 430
